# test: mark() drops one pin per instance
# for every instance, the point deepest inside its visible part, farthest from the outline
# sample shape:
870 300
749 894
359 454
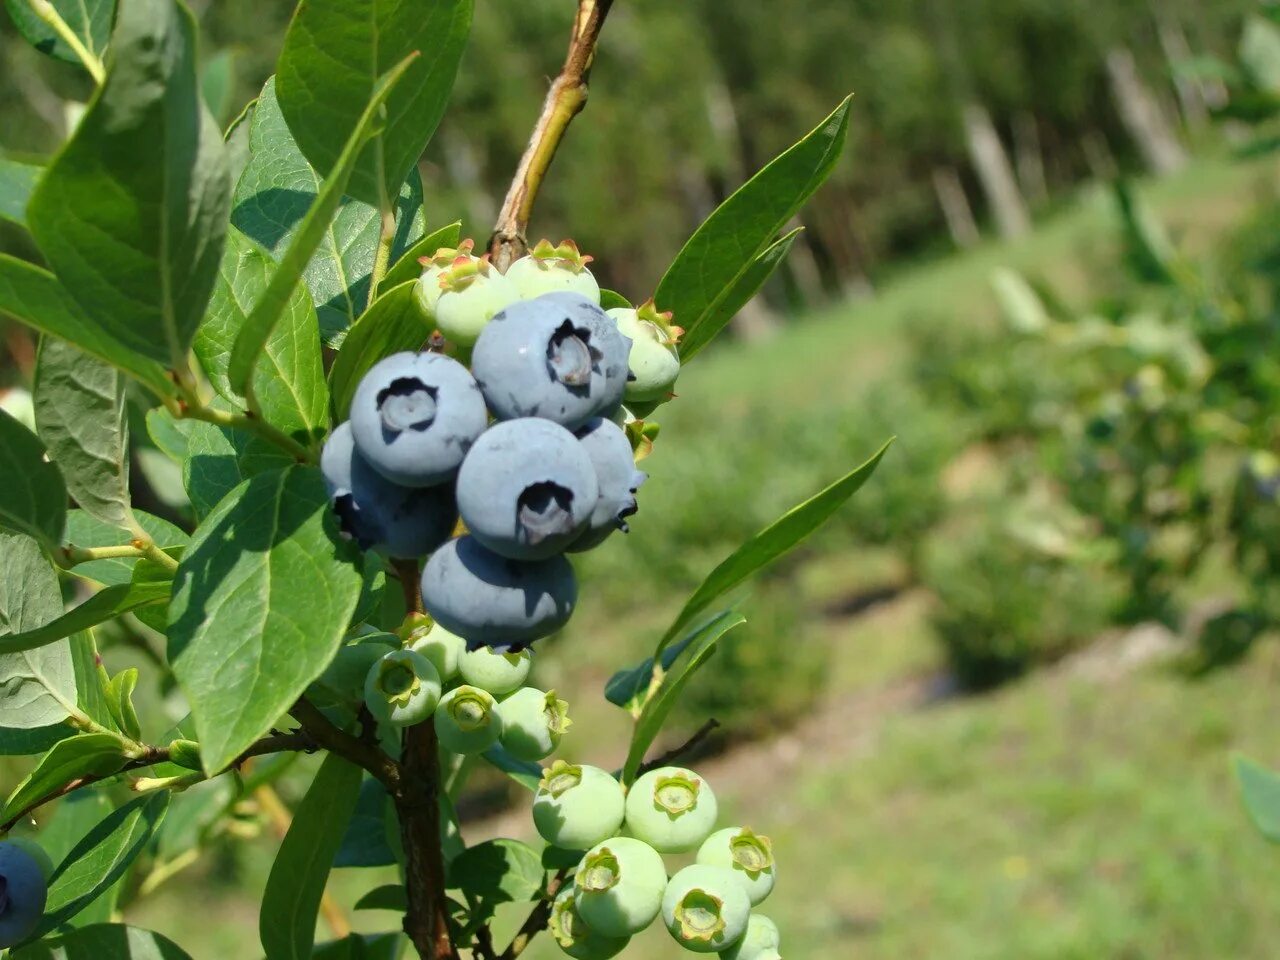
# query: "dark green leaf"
627 687
220 459
524 772
408 268
86 531
611 299
132 212
35 297
334 57
373 946
391 896
17 183
364 844
737 297
26 743
392 323
151 585
88 20
33 497
1260 790
73 817
100 859
769 544
80 415
268 576
494 872
289 381
104 941
88 755
291 901
714 260
37 687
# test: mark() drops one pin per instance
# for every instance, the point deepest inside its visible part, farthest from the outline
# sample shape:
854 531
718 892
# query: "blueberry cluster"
621 885
525 453
24 887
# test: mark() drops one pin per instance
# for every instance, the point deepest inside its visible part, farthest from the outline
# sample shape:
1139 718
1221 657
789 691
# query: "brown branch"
537 920
676 753
565 100
360 752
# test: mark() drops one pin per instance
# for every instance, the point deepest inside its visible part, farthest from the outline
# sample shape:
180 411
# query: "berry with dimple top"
381 515
671 809
573 935
533 723
428 288
23 892
654 361
402 688
414 416
551 269
705 909
492 601
619 884
471 292
435 643
527 489
577 806
499 673
559 357
761 941
745 854
611 454
467 721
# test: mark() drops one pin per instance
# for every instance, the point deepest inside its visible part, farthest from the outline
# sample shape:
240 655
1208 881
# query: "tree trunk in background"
955 207
1173 41
995 173
1029 158
1142 116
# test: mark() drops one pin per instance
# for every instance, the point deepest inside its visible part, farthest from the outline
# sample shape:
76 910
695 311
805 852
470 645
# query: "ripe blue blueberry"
23 892
492 601
619 886
533 723
761 941
574 936
610 453
577 806
414 416
381 515
527 489
499 673
654 360
551 269
745 854
558 357
402 688
467 721
671 809
705 909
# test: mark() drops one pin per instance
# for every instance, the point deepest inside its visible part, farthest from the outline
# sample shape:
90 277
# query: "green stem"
70 555
249 422
49 14
382 259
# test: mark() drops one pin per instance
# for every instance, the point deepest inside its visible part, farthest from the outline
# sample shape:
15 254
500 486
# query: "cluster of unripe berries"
24 887
527 448
621 886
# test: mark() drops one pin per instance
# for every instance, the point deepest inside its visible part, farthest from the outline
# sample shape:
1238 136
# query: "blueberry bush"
393 446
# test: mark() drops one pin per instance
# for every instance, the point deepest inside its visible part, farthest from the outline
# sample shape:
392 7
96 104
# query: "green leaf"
151 585
390 896
408 266
88 20
262 599
611 299
87 755
524 772
494 872
769 544
17 183
1260 790
364 842
289 384
628 686
220 459
100 859
91 680
334 56
372 946
311 232
35 297
218 83
392 323
104 941
33 496
73 817
132 212
713 263
275 192
120 702
737 297
655 712
291 901
37 687
80 415
84 530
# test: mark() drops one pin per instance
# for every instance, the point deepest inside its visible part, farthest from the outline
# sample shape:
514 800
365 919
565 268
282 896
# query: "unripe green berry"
577 806
499 673
671 809
402 688
745 854
532 723
654 360
574 936
550 269
619 886
442 648
467 721
705 909
471 291
760 942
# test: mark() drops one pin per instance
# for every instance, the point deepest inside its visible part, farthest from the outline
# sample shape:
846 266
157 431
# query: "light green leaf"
311 232
104 941
87 755
33 496
1260 790
86 531
708 271
408 266
37 687
218 83
17 182
291 901
35 297
769 544
120 702
392 323
494 872
88 20
91 689
150 585
334 56
80 415
262 599
289 381
132 212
